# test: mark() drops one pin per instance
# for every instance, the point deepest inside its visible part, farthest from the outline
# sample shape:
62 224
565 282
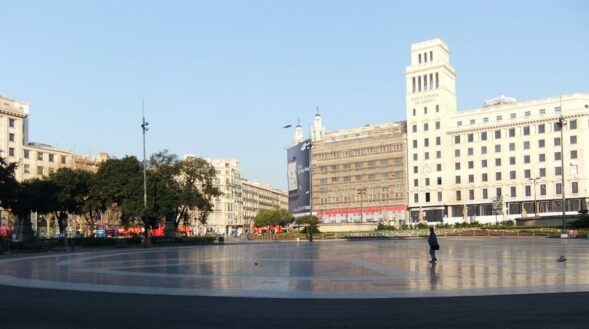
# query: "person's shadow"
434 277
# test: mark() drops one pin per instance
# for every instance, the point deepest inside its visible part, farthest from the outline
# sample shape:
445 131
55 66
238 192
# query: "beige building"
358 174
13 131
494 162
258 197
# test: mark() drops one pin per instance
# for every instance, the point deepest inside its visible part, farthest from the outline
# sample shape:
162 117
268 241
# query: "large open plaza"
378 282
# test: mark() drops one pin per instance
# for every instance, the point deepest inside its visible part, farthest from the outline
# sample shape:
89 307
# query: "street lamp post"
144 125
535 202
562 123
361 192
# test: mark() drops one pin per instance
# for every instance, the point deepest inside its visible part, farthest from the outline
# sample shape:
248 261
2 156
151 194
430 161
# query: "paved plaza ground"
483 282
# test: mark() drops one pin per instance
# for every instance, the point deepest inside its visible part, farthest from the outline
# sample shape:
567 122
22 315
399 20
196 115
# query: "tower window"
431 55
413 83
437 81
425 82
419 82
419 58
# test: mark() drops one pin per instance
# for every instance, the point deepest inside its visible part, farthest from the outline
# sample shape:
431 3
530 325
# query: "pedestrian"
433 244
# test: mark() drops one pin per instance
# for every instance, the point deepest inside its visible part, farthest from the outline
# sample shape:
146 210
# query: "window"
542 189
26 169
512 174
459 123
457 166
512 146
414 156
425 110
426 156
439 193
557 156
484 136
573 154
427 182
511 160
425 127
541 143
542 111
39 170
526 159
457 153
39 156
498 191
573 124
471 194
573 140
456 139
439 180
415 197
415 143
498 162
438 154
513 116
512 192
457 180
498 176
51 157
528 113
414 112
511 132
542 172
415 170
438 140
472 122
437 106
413 79
11 137
11 123
483 150
528 190
11 151
526 130
497 148
439 167
557 171
558 188
541 128
470 138
470 164
556 126
485 194
497 134
470 151
484 177
541 157
26 154
414 128
427 198
499 118
415 182
437 124
575 187
485 120
458 196
527 173
557 141
471 178
426 142
484 163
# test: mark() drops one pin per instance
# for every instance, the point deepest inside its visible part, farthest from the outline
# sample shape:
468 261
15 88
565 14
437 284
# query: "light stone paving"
323 269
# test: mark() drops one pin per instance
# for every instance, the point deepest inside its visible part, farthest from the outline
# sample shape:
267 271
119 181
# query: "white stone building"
494 162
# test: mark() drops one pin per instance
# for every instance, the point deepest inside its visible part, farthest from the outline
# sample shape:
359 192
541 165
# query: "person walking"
433 244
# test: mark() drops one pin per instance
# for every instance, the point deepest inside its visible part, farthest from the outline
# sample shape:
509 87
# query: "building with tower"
500 161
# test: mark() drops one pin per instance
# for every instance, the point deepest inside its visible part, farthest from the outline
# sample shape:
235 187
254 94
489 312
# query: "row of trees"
281 217
176 189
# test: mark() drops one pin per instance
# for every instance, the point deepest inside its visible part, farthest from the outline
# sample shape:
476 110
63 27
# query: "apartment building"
258 197
358 174
13 131
507 158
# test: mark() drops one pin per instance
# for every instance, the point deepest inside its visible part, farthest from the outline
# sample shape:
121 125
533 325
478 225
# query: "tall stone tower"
298 137
431 97
318 131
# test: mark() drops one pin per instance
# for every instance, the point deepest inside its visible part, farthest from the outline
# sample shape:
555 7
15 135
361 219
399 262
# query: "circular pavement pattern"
334 269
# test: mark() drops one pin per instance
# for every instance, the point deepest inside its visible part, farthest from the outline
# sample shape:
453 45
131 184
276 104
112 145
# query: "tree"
311 223
72 189
8 184
34 195
272 217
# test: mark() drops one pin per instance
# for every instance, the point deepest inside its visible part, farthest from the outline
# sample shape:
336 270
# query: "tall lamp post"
144 125
535 202
361 192
562 123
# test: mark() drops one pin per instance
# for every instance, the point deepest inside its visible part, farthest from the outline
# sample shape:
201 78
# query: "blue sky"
221 78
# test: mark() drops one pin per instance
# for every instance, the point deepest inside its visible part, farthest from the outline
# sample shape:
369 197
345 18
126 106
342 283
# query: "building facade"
258 197
506 159
13 131
358 174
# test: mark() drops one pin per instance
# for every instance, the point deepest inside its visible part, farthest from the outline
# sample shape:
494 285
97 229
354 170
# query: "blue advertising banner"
299 183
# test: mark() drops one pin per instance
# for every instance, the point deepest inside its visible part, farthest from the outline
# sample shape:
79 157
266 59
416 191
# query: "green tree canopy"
272 217
8 184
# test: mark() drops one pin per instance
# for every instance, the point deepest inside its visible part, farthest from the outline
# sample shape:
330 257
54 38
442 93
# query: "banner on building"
299 183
